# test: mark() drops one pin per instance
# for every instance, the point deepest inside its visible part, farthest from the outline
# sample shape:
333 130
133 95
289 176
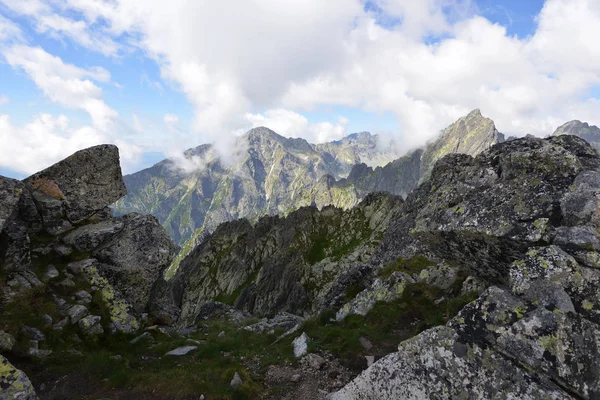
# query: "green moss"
587 305
386 325
317 251
413 265
520 311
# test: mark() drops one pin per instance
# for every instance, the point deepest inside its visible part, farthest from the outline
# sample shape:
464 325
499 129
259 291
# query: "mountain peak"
576 127
476 113
589 133
470 134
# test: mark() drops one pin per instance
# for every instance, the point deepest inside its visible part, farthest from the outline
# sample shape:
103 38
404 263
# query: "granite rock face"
281 264
521 215
84 183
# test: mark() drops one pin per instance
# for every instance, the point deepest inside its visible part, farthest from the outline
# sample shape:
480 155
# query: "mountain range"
276 175
481 283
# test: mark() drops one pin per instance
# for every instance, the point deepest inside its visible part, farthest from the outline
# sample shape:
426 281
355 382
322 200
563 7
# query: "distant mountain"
471 135
276 175
589 133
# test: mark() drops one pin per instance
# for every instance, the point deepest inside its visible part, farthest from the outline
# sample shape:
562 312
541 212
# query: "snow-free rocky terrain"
482 283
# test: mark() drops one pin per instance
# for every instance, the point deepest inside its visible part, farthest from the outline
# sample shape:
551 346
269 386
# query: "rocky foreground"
482 283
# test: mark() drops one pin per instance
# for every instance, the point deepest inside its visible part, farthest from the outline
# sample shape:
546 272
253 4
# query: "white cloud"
63 83
137 124
4 100
42 142
48 139
429 62
49 21
291 124
171 119
8 30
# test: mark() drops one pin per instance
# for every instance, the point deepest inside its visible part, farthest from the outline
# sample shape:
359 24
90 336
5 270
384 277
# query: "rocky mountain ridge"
277 175
589 133
486 275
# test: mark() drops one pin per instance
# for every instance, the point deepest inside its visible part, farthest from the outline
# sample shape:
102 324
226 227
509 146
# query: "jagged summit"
590 133
470 134
276 175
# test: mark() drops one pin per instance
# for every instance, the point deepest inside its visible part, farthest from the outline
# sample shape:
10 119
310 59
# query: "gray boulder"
135 258
14 384
88 237
7 341
85 182
181 351
438 365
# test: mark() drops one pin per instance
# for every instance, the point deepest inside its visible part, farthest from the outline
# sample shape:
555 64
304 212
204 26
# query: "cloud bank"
242 64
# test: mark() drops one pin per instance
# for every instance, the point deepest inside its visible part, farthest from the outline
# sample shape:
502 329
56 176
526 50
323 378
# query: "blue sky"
157 78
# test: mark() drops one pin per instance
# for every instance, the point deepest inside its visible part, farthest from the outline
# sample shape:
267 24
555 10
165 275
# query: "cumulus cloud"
42 142
65 84
291 124
261 62
48 139
171 119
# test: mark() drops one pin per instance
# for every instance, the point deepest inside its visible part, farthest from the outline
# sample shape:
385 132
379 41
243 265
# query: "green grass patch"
412 265
386 325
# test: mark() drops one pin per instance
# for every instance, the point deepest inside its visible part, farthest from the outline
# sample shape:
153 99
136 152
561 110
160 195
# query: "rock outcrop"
14 384
589 133
522 216
66 264
281 264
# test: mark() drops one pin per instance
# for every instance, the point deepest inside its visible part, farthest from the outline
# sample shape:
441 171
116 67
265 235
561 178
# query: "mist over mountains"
276 175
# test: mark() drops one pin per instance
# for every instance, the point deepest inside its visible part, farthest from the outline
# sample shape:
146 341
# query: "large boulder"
134 258
14 384
85 182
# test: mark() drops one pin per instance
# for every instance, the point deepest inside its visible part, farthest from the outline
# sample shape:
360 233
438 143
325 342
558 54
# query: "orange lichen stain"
47 186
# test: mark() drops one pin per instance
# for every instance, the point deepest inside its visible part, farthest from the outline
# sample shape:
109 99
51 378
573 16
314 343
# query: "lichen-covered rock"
473 285
386 291
562 346
121 318
14 384
285 321
88 237
90 326
7 341
133 259
483 213
437 365
53 214
76 312
85 182
440 275
581 204
18 282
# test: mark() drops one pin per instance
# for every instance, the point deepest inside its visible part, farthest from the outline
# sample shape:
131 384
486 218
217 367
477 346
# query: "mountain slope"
273 176
590 133
276 175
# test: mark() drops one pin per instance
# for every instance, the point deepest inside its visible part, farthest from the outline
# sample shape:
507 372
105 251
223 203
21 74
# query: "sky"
157 77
